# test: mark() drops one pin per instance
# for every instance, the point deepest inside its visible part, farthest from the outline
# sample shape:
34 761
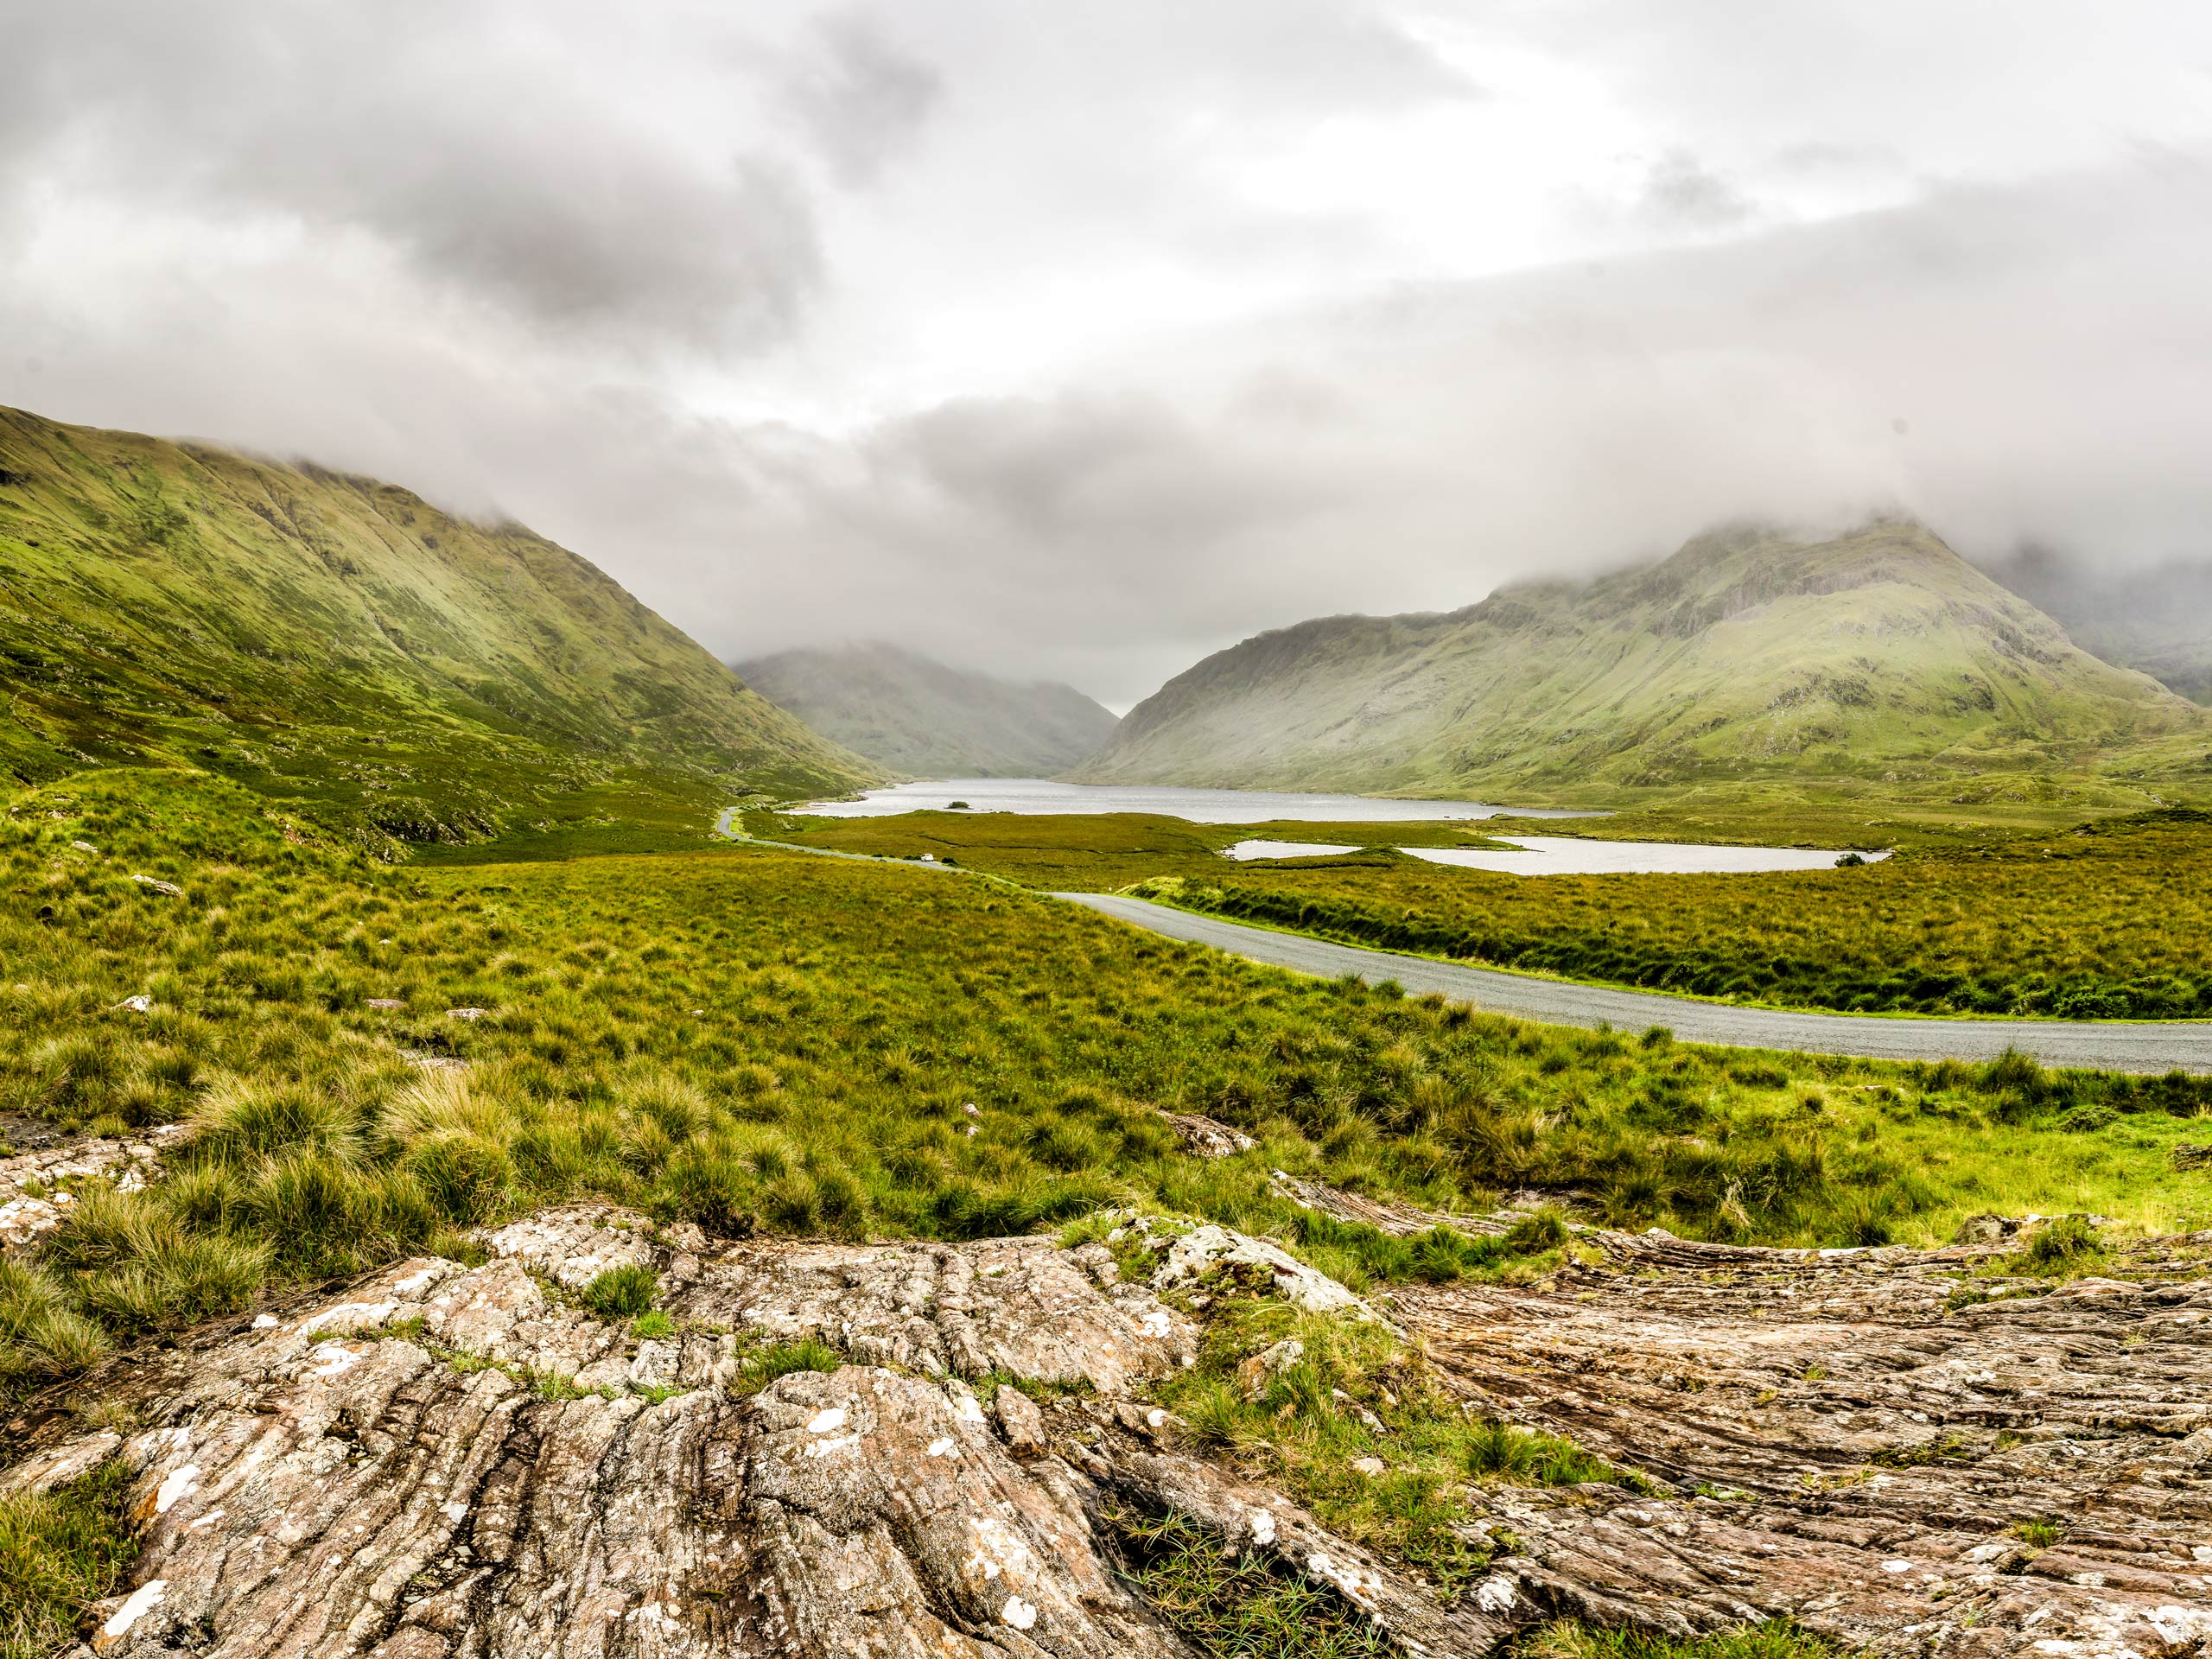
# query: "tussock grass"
622 1293
769 1043
1774 1639
1230 1605
60 1551
764 1366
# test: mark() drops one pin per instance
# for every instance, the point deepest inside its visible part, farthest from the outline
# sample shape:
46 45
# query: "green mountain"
921 717
2157 620
341 642
1880 656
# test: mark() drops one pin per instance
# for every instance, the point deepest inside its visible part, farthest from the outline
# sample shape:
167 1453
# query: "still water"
1569 856
1040 795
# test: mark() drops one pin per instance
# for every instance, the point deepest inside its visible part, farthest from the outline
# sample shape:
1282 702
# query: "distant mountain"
1880 656
335 638
904 711
2159 620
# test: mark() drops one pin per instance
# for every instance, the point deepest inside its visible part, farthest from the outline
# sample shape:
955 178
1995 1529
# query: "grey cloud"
494 172
1681 192
860 97
1401 456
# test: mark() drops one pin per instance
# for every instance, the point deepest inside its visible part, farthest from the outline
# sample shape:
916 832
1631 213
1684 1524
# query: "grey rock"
1207 1138
1021 1422
331 1482
1204 1251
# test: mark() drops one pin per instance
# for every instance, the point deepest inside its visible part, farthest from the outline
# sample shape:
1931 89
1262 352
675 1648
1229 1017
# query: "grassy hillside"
921 717
1880 660
340 641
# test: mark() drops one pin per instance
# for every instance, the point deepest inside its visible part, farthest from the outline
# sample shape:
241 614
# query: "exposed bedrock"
410 1470
1859 1440
456 1461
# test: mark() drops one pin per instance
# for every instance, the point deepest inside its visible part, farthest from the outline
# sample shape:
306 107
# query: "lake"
1570 855
1041 795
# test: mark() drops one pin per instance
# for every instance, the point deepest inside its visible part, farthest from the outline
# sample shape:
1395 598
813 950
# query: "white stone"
176 1484
142 1601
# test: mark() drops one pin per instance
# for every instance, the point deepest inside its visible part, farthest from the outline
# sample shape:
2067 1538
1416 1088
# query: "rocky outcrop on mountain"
1911 1452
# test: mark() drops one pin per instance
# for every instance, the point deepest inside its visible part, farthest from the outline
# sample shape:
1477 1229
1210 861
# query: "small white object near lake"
1570 855
1041 795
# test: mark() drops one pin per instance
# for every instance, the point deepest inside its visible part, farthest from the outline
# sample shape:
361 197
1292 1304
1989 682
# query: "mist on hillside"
2157 619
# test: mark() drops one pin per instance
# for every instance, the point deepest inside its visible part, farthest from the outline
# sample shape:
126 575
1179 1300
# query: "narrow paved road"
2181 1045
2150 1048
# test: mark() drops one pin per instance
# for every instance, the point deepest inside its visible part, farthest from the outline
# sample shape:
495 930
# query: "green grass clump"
1524 1457
1773 1639
654 1323
2062 1244
2039 1533
60 1551
622 1293
764 1366
1238 1607
42 1334
1355 1393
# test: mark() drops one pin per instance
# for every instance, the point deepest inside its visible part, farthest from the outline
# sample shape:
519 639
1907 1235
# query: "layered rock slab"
1862 1440
451 1461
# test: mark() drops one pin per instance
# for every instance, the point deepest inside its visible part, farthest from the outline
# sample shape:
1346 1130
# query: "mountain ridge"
1879 655
322 634
923 717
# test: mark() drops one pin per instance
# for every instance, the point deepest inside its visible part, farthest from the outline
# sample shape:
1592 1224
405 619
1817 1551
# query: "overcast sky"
1079 339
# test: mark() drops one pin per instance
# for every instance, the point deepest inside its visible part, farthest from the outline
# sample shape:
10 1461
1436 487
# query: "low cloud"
958 324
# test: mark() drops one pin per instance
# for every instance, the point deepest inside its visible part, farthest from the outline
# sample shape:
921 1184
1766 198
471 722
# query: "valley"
485 1123
1362 830
909 714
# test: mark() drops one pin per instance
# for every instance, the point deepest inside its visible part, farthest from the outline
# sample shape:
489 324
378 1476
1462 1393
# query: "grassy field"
2103 920
766 1041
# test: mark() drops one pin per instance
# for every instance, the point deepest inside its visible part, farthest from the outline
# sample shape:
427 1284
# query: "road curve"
2174 1046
